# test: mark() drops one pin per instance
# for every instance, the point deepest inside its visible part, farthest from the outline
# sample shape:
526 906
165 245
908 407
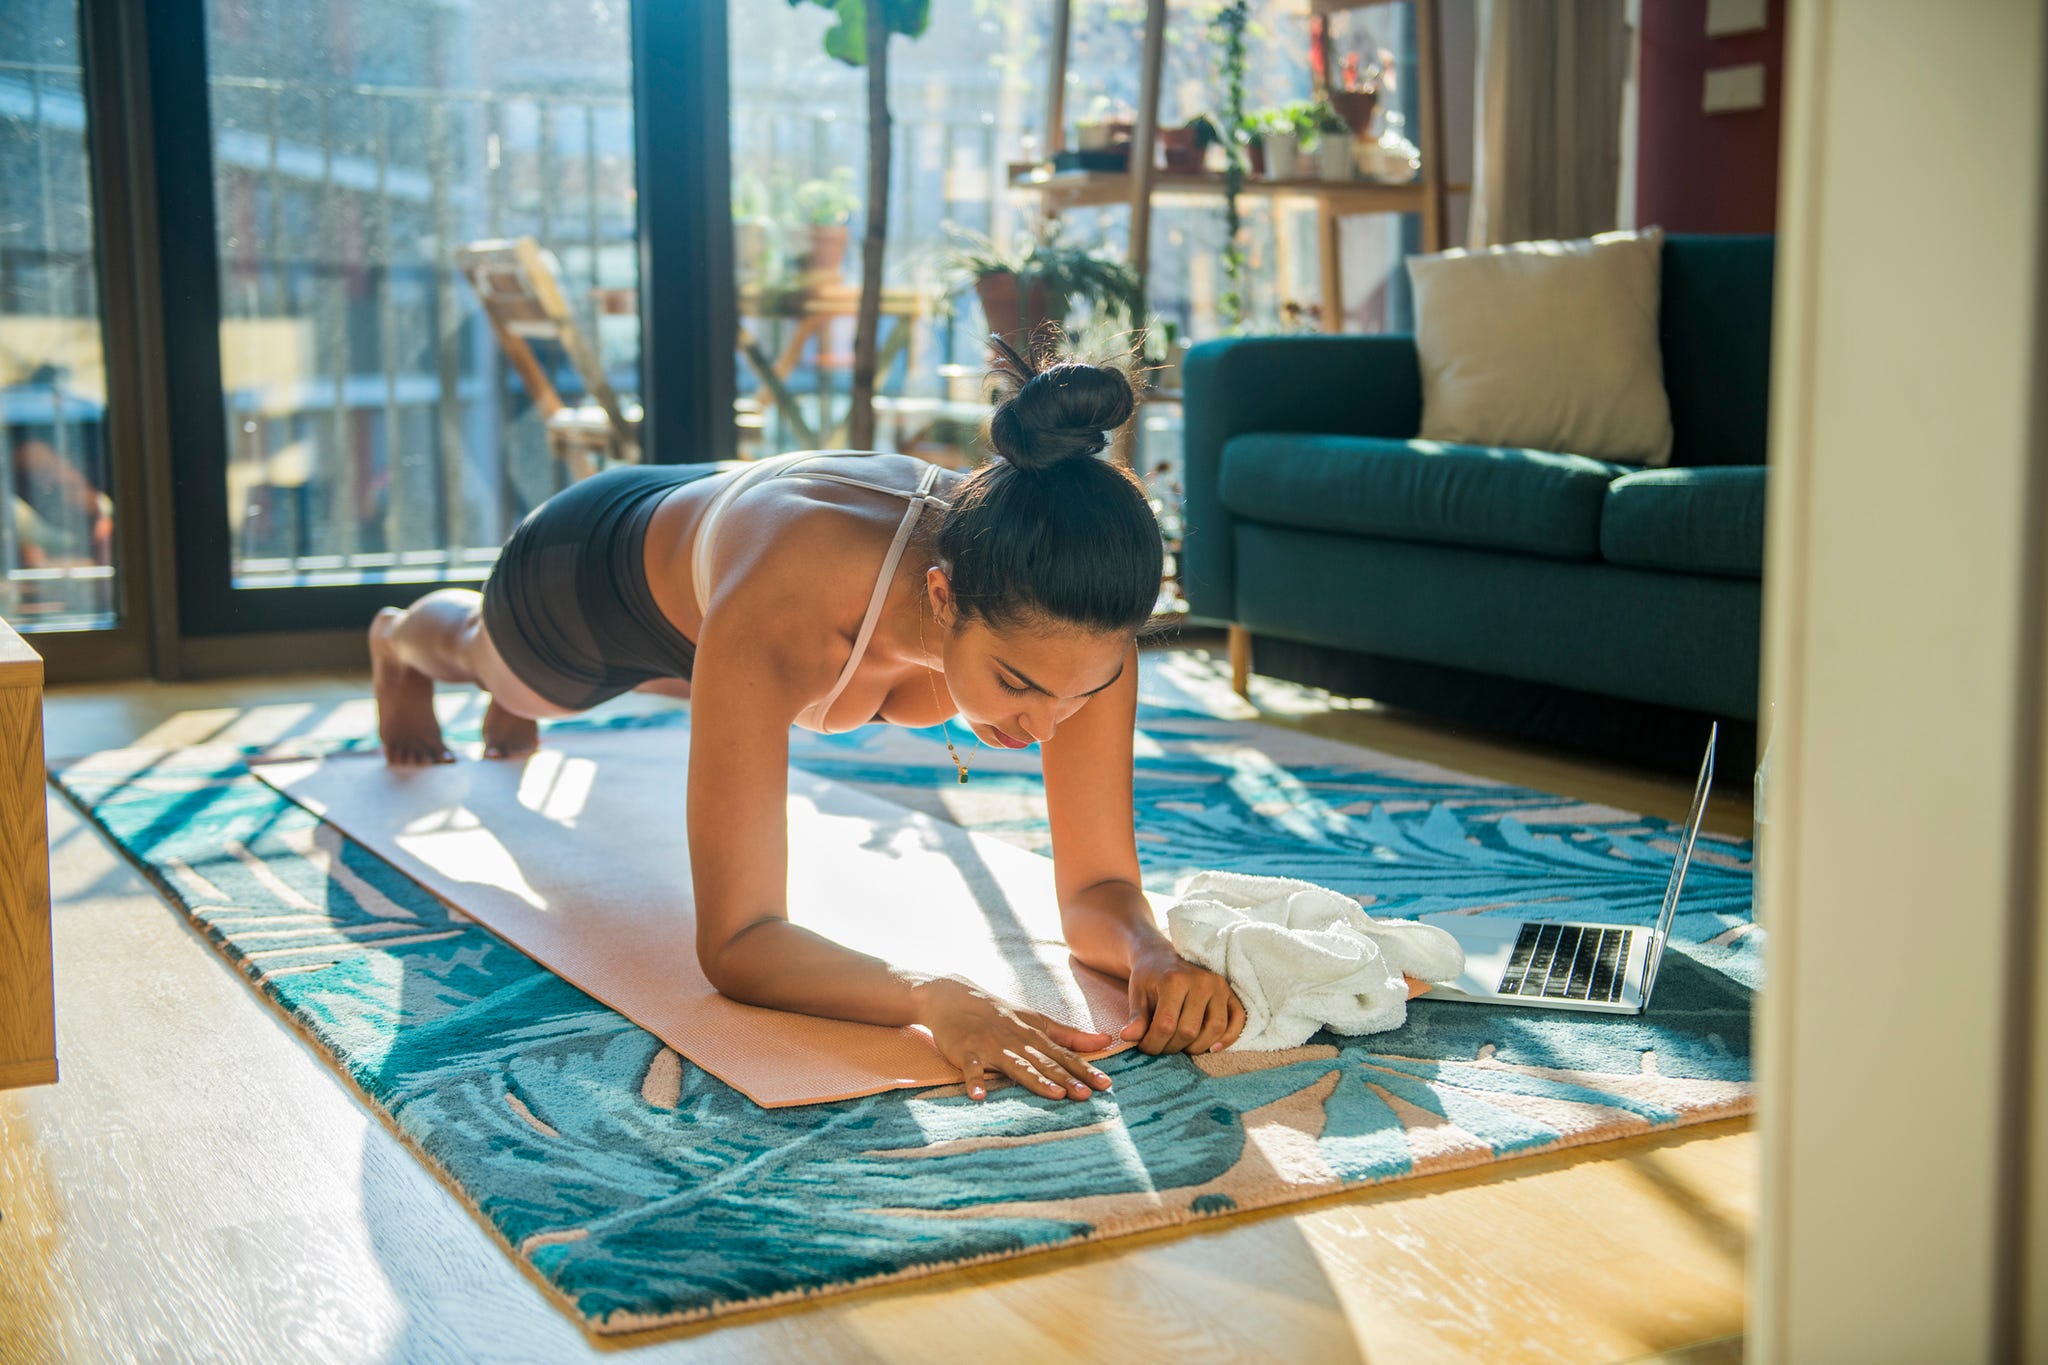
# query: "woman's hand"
1179 1007
983 1035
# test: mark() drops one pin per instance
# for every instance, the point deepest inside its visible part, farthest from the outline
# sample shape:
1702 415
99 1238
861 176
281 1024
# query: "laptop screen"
1678 864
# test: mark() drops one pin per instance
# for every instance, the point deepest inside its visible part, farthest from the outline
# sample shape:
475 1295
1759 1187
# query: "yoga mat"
577 856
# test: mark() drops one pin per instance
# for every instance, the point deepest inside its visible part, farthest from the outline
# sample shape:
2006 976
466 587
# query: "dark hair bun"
1062 411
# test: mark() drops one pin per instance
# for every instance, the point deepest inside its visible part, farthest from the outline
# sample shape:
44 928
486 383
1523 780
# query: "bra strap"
911 513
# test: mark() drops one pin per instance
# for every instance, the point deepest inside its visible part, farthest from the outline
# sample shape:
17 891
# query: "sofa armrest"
1327 385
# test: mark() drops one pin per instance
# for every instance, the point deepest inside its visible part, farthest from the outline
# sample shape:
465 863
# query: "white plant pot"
1283 156
1334 157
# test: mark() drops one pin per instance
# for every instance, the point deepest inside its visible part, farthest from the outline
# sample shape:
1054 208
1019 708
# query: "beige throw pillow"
1550 345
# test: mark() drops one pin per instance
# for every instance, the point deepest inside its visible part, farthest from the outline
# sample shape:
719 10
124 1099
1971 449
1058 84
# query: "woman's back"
830 526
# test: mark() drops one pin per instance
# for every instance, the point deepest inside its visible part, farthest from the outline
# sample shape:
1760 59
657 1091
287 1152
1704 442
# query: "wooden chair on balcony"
520 289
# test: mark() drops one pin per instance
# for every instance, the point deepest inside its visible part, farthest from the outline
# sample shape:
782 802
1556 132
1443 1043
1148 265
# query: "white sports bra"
813 716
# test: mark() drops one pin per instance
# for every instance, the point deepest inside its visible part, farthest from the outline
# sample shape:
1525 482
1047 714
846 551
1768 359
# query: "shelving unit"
1333 200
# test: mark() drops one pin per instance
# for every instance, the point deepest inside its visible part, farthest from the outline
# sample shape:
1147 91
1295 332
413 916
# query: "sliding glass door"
305 303
57 511
404 246
372 162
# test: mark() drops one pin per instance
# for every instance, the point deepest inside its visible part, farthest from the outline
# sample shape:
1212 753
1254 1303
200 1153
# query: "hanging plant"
1227 30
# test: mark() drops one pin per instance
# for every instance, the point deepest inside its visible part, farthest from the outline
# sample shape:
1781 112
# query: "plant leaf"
847 40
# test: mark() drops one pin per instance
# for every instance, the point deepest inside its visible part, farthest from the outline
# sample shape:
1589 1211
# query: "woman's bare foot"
406 723
507 735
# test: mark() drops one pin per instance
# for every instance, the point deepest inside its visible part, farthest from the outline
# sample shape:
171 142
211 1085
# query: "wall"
1699 172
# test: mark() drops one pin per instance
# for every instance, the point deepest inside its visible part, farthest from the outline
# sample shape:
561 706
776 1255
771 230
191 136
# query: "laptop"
1604 968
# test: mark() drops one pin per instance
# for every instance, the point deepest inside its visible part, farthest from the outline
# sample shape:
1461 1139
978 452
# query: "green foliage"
1324 118
1069 270
847 39
1306 119
750 199
1228 29
828 202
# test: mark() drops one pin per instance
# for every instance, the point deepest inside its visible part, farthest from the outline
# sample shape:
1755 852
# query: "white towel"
1303 957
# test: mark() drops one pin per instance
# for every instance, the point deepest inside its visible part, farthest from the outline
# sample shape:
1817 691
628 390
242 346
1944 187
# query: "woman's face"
1015 687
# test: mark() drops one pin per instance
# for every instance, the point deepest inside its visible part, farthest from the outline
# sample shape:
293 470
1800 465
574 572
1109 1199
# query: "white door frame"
1901 1034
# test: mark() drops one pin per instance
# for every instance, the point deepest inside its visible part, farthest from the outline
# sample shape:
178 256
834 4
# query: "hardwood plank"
203 1186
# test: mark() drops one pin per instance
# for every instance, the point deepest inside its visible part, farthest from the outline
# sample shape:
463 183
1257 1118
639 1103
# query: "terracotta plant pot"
1182 149
825 251
1017 321
1255 159
1355 107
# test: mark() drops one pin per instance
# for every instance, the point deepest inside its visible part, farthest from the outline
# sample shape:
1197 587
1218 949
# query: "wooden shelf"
1141 183
1088 189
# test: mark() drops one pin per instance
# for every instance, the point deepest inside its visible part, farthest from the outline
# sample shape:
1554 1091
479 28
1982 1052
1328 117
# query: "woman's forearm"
779 965
1110 925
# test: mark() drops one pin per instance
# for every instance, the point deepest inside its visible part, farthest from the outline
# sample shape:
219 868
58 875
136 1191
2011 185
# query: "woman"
1011 596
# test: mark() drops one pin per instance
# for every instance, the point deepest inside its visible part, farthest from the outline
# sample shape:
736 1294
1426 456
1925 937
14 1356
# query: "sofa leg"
1241 661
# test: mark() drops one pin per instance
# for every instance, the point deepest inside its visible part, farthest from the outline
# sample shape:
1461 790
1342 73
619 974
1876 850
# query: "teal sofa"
1603 605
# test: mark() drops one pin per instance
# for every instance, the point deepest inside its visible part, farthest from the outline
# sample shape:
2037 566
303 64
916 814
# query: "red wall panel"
1700 172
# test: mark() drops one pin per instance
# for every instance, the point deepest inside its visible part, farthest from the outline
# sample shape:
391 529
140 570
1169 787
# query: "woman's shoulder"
797 549
877 486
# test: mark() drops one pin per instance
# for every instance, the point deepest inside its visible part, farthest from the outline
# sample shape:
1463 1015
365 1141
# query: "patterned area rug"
644 1192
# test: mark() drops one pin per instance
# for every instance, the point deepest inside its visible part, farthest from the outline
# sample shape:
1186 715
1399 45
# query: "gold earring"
944 729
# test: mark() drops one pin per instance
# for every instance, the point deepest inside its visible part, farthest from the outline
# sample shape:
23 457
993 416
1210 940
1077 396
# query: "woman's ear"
939 594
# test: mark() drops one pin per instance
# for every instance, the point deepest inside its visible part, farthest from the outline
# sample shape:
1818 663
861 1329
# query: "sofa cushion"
1551 345
1532 501
1708 521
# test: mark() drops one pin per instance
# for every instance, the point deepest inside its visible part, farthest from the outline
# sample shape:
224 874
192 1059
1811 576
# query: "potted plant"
826 207
1106 126
1285 132
1186 147
1333 144
1023 289
1272 134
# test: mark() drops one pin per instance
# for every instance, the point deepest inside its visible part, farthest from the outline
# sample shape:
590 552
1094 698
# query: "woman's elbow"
729 964
724 975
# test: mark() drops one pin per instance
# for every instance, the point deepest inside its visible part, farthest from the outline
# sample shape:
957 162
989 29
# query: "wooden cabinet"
28 1022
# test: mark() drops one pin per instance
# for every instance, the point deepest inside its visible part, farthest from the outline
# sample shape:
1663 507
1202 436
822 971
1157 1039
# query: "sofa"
1607 606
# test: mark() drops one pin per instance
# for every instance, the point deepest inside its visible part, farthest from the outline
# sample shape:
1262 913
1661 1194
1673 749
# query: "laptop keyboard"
1567 962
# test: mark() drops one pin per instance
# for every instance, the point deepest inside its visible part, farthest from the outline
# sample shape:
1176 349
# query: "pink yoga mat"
576 855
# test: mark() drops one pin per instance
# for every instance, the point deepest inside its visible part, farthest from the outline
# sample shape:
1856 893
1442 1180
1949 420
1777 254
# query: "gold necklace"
929 675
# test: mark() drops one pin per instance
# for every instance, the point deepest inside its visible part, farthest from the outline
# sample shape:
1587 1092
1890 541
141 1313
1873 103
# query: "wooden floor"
200 1187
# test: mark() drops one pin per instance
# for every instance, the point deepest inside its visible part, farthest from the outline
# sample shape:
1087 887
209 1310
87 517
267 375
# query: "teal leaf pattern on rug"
644 1191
